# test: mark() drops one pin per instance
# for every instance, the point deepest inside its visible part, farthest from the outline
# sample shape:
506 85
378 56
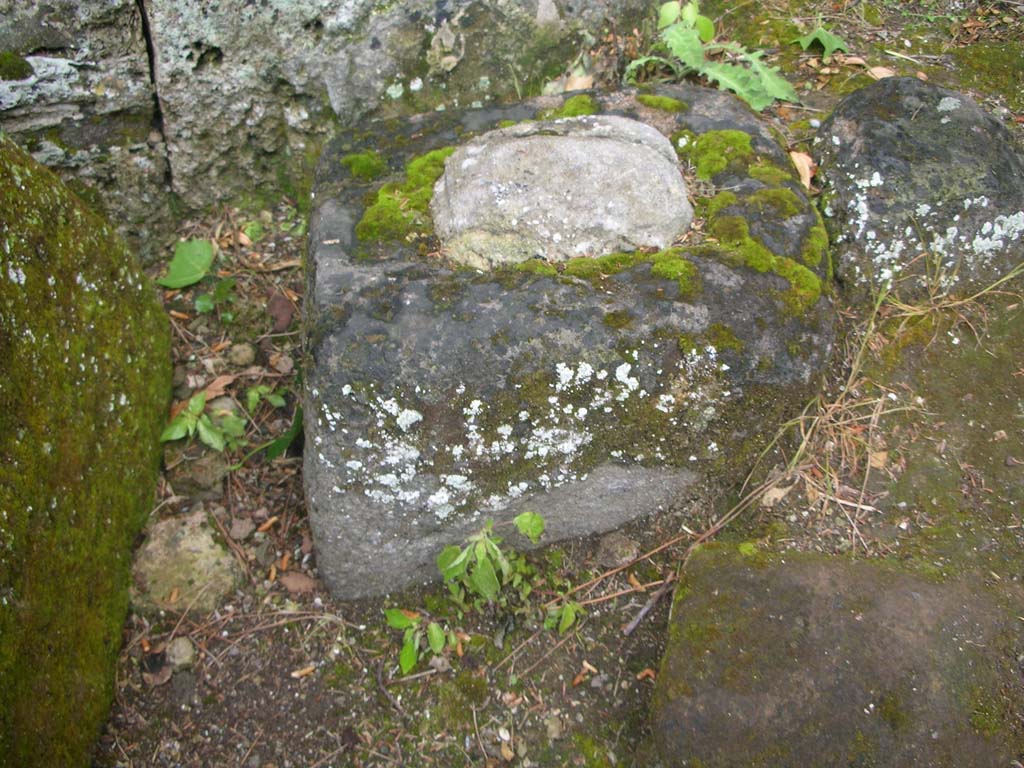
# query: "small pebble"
181 653
242 355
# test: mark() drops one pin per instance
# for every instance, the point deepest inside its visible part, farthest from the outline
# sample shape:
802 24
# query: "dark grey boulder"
920 183
805 660
593 391
542 189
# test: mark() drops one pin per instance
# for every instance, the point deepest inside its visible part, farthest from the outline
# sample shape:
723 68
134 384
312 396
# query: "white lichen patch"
398 461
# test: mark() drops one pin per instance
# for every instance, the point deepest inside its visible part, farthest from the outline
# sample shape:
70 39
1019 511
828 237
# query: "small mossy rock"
584 186
911 168
182 565
811 660
85 386
593 390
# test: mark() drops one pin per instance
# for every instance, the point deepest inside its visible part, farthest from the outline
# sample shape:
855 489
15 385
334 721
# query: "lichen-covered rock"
76 92
182 566
251 89
542 190
922 186
810 660
592 390
85 351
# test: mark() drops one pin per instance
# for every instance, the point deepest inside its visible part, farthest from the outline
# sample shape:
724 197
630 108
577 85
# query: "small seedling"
224 430
414 635
262 393
687 37
222 295
829 42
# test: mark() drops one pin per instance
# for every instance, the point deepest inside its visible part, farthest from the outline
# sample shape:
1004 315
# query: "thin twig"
662 590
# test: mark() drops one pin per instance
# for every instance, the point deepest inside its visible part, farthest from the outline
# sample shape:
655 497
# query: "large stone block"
76 92
922 187
85 383
592 390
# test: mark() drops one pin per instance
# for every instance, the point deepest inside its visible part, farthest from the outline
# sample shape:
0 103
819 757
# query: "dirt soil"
919 457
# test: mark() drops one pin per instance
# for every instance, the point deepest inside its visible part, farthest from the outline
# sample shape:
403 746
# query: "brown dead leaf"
286 558
878 459
218 386
921 76
634 582
880 73
282 363
173 597
506 751
297 583
159 677
805 167
243 239
646 674
178 315
774 495
579 678
304 672
579 82
853 61
273 572
267 524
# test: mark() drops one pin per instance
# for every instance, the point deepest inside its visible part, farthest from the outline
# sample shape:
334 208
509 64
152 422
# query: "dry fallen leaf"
285 559
273 573
579 83
159 677
218 386
506 750
297 583
173 597
774 495
878 459
266 526
646 674
805 167
879 73
634 582
304 672
852 60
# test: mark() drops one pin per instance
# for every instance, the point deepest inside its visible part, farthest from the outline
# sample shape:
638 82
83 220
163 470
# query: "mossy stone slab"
594 390
804 659
911 169
85 351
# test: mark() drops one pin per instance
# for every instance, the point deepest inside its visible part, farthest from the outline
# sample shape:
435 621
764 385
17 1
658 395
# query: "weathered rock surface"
593 392
545 190
82 102
806 660
182 566
914 169
85 357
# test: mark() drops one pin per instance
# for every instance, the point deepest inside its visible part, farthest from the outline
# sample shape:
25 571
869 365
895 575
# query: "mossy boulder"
83 395
922 188
593 389
811 660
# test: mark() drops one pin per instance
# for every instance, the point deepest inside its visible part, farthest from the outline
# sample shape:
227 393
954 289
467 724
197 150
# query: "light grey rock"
438 397
88 110
181 560
912 169
181 653
584 186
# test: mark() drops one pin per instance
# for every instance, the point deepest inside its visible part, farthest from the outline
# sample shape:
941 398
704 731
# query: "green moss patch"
400 210
365 166
574 106
769 173
14 67
714 151
722 337
805 286
672 265
775 201
80 418
664 103
994 67
537 267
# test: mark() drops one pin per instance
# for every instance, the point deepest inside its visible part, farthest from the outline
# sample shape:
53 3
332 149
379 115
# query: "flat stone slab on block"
921 184
811 660
590 390
584 186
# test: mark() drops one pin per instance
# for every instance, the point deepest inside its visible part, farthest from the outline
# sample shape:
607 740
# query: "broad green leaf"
275 400
684 43
829 42
399 619
668 14
409 655
192 260
568 618
176 430
705 28
688 13
196 404
209 434
253 395
484 580
452 562
232 425
773 83
530 524
277 447
223 291
204 303
435 637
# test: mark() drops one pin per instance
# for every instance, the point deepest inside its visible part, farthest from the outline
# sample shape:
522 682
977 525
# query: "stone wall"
138 98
